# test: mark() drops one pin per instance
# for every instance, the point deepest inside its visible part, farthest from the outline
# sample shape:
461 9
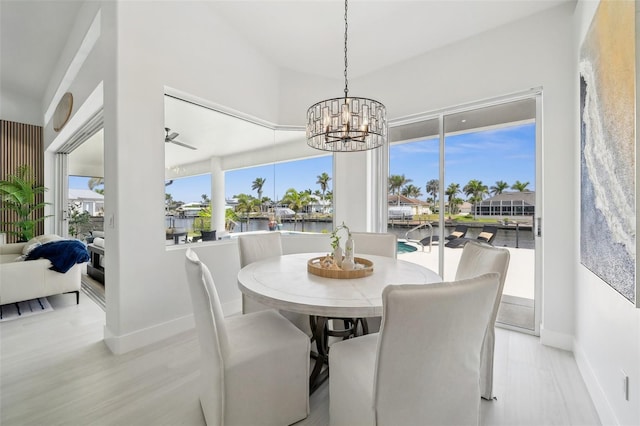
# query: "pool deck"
520 276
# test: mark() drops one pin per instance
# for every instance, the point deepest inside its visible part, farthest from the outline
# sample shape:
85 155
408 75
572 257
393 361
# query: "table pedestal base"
320 335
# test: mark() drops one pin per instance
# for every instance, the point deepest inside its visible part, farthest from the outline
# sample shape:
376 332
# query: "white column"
217 195
360 190
350 190
377 191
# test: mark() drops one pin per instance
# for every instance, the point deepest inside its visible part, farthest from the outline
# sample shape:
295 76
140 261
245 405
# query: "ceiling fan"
171 138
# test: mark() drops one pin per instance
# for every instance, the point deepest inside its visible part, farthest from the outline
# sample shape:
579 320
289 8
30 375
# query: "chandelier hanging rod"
346 124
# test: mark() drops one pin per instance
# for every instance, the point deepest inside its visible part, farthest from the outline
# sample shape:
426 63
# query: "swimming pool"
405 248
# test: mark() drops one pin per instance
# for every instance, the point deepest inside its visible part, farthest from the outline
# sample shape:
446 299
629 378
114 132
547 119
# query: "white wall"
607 331
206 59
18 108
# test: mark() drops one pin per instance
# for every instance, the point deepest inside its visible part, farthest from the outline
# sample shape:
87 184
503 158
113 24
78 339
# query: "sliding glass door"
471 170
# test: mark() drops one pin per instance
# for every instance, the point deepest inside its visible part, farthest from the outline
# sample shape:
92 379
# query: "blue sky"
501 154
506 154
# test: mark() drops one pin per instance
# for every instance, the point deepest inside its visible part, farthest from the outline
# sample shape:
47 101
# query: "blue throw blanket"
63 254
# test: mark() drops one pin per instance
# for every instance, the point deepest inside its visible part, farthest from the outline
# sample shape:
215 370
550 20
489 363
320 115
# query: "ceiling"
214 133
306 36
32 36
292 34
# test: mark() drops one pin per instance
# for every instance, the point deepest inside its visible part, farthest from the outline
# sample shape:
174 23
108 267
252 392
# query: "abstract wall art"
608 135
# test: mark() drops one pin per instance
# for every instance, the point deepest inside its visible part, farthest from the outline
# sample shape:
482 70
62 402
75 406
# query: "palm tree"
475 190
97 181
329 195
411 191
519 186
452 190
433 187
257 185
453 205
296 201
499 187
247 204
396 182
323 181
205 199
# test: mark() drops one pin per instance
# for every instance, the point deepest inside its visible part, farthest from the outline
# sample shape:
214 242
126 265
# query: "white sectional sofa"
24 280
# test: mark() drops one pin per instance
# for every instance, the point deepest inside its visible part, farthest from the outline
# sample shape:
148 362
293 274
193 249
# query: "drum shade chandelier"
346 124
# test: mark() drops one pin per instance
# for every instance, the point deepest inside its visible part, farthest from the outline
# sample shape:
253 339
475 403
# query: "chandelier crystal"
346 124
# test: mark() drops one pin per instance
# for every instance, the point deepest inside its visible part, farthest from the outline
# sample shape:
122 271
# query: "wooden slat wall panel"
20 144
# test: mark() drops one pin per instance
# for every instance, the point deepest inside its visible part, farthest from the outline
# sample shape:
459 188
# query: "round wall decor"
63 111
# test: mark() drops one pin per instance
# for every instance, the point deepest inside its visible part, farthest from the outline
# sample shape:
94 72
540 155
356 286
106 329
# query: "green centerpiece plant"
335 243
18 193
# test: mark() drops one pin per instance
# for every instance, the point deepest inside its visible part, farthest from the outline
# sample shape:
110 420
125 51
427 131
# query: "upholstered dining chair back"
376 243
212 335
422 368
255 247
252 248
479 258
254 368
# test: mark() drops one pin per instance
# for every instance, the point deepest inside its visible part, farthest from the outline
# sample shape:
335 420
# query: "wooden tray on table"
364 269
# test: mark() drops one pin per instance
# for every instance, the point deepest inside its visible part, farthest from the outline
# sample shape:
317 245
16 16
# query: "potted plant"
18 194
78 219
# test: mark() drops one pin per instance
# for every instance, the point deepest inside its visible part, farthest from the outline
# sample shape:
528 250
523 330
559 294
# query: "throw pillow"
47 238
38 241
30 245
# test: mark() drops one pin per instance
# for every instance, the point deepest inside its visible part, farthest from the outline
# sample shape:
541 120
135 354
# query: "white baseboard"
598 396
555 339
139 338
127 342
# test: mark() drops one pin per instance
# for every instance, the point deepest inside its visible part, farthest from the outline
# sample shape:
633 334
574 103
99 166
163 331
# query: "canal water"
522 238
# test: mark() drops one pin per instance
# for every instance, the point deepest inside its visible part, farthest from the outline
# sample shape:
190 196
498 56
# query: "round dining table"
283 282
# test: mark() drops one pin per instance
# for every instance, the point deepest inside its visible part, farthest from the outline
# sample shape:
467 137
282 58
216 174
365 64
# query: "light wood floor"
55 369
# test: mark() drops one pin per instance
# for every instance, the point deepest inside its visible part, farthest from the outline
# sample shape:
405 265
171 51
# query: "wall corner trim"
556 339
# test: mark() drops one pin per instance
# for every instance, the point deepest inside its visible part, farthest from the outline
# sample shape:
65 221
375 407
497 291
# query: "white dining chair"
376 243
252 248
423 366
254 368
255 247
479 258
379 244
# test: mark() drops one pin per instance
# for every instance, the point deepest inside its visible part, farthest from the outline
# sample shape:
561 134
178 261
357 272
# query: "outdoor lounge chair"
459 232
487 235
